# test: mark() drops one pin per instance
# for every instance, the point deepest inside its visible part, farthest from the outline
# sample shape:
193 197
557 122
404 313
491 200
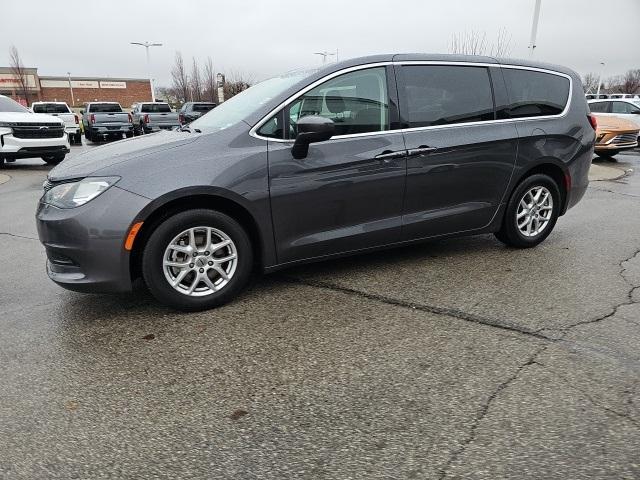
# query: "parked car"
634 96
62 111
191 111
105 119
365 154
614 135
623 108
24 134
592 96
149 117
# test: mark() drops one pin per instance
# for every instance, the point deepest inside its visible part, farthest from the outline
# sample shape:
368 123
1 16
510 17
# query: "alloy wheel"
200 261
535 211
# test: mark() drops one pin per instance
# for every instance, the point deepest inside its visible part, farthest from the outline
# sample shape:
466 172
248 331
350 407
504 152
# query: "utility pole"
534 27
146 45
73 101
600 79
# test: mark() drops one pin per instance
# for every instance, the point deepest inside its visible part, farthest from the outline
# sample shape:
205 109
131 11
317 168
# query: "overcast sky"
262 38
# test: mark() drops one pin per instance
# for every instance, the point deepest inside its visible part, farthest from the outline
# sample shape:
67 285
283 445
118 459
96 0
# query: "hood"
614 123
96 159
27 117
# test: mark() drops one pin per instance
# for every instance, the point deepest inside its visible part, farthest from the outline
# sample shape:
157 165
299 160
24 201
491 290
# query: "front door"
459 160
346 195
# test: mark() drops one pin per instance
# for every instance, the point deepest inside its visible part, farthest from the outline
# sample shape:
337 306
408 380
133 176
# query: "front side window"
535 94
598 107
620 107
357 102
444 94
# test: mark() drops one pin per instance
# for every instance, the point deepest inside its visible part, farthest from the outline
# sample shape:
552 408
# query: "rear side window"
534 94
105 108
50 108
203 107
598 107
623 107
155 108
442 95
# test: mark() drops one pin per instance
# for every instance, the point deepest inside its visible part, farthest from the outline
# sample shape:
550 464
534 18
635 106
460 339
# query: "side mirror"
81 112
311 129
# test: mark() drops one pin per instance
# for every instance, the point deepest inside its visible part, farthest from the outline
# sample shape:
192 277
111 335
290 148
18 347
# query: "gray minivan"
368 153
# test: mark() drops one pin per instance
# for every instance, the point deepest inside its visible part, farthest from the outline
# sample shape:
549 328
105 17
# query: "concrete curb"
599 173
4 178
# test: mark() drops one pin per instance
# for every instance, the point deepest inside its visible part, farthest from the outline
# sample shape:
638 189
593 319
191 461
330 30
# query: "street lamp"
146 45
325 55
600 79
534 27
71 88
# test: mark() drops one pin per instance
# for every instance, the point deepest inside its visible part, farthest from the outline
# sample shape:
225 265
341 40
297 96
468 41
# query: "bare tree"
612 84
590 82
475 43
180 79
630 81
195 82
19 72
210 89
235 83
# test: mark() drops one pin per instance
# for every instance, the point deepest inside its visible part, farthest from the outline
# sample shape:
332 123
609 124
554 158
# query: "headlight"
74 194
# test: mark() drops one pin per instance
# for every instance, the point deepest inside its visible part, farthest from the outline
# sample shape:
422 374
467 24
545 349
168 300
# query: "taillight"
92 118
77 120
130 118
593 120
146 118
181 117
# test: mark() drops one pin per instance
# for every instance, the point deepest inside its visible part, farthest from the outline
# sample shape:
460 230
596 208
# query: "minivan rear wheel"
197 259
531 213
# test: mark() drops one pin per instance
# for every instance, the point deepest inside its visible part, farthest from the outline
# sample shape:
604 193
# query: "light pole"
146 45
325 55
600 79
71 88
534 27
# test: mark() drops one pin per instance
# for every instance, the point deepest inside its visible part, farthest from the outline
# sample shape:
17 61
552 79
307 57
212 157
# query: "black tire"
509 233
161 237
78 138
129 134
608 154
54 159
2 164
88 135
141 129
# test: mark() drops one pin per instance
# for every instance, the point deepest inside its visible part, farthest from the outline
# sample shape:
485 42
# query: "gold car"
615 134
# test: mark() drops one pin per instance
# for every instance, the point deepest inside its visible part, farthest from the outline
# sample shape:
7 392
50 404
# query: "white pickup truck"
63 112
24 134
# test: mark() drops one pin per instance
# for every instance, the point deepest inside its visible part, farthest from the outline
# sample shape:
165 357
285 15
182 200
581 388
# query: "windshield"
243 104
8 105
50 108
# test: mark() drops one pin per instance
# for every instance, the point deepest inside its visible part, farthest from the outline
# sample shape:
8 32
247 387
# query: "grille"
38 130
625 138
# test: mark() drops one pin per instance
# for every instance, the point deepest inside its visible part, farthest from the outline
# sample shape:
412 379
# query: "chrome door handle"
389 155
421 150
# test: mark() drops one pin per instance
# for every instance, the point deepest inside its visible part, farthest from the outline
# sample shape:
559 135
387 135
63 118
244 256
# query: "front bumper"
85 245
12 147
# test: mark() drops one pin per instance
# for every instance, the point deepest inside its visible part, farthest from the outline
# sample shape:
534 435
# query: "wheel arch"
553 168
191 198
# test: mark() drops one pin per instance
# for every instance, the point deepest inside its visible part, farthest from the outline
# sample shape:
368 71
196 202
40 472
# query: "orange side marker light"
133 231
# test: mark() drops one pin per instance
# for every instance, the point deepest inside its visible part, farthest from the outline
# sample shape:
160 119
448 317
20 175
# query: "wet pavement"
450 359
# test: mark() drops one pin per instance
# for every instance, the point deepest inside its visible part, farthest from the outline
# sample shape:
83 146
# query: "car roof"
629 100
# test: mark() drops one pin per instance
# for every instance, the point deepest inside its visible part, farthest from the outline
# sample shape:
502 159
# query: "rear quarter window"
534 94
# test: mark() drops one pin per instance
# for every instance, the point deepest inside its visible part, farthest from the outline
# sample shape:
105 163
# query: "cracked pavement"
448 360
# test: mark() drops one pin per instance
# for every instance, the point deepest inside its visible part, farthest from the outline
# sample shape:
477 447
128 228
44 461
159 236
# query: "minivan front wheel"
197 259
531 213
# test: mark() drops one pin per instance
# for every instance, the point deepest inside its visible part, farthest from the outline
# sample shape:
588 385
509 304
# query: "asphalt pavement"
451 359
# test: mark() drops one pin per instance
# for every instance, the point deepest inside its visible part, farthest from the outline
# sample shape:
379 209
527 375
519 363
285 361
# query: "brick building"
125 91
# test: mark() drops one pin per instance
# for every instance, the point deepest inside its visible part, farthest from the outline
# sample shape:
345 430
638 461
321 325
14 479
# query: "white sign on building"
104 84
